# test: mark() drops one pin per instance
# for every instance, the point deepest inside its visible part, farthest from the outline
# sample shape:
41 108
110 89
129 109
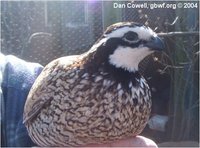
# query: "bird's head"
125 44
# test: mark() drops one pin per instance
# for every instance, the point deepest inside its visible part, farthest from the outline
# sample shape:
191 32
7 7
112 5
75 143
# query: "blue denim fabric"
18 77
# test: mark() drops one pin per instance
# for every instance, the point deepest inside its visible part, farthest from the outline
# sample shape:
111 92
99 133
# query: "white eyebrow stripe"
143 32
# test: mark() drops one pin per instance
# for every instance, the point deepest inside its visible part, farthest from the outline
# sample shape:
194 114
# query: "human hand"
138 141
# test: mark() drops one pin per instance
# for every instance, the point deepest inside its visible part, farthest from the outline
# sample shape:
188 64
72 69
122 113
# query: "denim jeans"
17 77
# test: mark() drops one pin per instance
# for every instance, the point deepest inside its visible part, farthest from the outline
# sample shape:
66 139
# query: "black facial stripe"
115 42
106 49
131 36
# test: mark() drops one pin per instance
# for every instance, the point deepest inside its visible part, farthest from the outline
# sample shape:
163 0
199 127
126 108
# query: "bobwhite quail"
96 97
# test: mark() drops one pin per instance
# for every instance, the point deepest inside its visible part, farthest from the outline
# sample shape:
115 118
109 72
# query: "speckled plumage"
78 100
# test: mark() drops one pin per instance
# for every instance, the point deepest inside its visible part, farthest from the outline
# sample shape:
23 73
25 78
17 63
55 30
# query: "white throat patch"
128 58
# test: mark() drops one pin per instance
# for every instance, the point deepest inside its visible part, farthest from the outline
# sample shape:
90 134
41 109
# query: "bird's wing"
36 99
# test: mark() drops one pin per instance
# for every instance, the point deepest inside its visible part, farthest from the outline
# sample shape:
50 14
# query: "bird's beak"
155 44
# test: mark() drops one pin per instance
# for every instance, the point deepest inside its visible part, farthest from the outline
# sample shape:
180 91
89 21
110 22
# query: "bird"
95 97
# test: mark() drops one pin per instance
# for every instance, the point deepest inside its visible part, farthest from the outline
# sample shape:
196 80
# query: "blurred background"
41 31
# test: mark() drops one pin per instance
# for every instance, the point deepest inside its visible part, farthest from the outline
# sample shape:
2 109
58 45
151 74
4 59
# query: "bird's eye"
131 37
